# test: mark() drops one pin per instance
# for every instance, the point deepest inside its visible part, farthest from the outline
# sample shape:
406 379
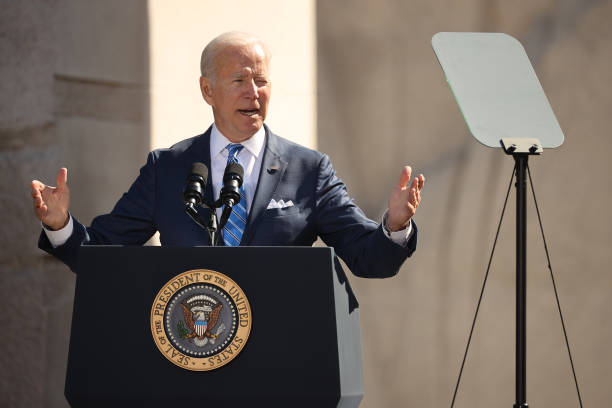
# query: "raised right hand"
404 200
51 203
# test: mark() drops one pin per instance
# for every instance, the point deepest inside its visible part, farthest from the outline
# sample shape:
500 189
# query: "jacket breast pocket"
281 212
283 226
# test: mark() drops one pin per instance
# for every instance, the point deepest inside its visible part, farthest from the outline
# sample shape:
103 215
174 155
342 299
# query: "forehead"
235 59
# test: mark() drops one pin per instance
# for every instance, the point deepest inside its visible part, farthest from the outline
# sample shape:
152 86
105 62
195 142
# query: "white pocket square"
279 204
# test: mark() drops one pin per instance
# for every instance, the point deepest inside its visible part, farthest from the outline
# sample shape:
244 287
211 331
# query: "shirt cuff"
400 237
59 237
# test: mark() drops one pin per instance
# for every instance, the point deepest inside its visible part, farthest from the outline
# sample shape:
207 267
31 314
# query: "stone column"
74 93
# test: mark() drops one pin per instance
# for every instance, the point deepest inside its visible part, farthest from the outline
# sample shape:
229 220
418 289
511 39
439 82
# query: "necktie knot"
233 150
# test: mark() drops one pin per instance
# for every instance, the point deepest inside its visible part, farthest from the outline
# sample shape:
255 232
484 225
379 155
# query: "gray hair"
212 49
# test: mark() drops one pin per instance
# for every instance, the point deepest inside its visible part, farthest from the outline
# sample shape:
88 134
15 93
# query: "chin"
243 133
253 127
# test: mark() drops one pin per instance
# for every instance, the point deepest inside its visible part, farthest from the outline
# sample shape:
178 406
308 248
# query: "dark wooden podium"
304 348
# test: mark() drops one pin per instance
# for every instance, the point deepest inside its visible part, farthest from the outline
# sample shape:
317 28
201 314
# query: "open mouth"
248 112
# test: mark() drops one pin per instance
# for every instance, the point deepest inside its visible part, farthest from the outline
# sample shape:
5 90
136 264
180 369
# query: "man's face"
240 93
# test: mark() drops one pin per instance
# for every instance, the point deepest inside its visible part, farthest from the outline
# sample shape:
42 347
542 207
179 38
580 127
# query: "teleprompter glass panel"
496 88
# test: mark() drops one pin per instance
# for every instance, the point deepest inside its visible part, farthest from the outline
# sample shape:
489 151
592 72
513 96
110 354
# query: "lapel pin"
273 169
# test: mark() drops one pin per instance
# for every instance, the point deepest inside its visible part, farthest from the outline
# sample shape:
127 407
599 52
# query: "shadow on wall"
383 102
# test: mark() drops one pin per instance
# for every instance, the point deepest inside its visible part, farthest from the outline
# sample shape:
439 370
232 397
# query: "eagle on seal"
197 322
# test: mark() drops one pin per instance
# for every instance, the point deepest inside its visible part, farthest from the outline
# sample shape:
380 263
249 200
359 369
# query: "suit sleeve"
359 241
131 222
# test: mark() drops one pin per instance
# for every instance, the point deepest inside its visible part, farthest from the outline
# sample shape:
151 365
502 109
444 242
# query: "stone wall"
383 102
74 93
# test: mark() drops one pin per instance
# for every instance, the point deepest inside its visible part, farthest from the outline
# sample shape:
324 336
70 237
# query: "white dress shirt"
250 158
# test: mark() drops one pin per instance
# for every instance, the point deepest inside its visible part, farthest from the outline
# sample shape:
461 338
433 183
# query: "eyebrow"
257 75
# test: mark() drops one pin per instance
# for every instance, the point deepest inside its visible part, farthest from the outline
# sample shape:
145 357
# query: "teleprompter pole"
521 279
521 149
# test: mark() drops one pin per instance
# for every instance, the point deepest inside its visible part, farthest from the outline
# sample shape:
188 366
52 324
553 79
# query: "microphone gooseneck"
193 196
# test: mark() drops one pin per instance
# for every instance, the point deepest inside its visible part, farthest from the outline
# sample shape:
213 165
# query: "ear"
207 90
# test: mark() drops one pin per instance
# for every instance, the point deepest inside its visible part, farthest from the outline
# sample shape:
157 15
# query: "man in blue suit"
291 194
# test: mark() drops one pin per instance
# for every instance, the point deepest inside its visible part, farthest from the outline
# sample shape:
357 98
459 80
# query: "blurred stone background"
73 92
79 81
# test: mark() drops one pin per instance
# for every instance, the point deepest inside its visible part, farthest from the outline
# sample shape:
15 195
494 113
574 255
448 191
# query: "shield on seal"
200 327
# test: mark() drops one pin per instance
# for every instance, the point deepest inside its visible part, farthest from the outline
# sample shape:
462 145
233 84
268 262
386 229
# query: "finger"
41 212
414 192
405 177
412 198
62 178
38 201
421 181
411 209
414 185
37 186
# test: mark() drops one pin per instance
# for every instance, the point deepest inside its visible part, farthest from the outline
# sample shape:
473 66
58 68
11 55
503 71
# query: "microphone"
230 192
195 184
193 195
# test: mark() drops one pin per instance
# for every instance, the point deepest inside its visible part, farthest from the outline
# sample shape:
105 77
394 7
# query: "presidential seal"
200 320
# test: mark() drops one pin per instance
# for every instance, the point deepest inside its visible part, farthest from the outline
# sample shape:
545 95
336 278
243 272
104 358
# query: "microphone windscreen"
232 170
200 169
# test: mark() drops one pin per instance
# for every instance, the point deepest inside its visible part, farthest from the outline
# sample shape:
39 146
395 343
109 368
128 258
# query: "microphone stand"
224 217
229 196
210 226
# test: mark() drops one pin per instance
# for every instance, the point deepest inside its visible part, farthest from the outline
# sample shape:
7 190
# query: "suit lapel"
203 154
272 169
200 152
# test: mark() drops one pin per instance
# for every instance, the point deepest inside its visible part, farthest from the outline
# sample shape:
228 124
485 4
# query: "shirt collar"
254 144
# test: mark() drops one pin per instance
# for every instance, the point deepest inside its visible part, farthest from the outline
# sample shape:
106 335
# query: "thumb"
62 178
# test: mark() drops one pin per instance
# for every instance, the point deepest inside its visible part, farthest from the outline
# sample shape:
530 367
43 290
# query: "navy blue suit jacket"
322 207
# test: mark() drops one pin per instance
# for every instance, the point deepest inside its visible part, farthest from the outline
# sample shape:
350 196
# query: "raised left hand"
404 200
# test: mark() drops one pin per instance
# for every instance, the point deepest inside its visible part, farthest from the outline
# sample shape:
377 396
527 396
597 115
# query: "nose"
253 90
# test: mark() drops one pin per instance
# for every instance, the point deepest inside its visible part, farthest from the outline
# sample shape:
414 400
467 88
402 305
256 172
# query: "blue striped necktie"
232 232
